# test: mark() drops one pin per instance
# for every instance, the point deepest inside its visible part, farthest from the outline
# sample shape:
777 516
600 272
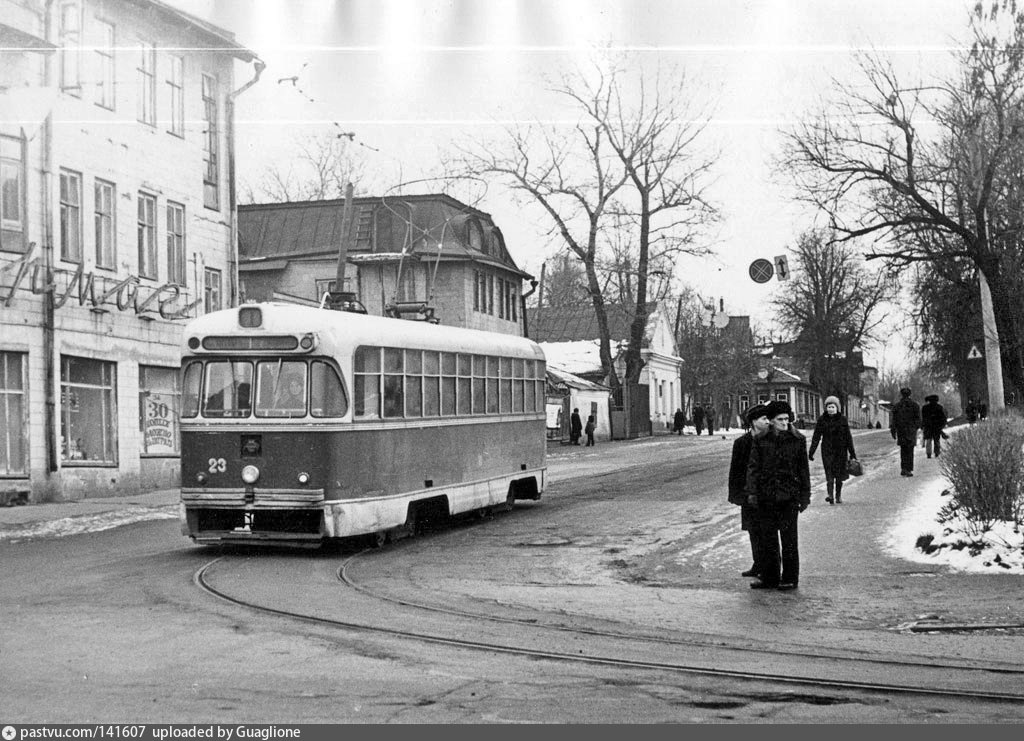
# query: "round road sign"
761 270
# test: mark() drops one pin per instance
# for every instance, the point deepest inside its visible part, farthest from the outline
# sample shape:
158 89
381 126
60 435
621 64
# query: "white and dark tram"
301 424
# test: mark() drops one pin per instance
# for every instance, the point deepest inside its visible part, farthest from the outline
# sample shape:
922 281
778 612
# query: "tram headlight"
201 478
306 342
250 474
303 478
193 343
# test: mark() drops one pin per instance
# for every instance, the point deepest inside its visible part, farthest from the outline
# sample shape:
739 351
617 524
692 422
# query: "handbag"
854 467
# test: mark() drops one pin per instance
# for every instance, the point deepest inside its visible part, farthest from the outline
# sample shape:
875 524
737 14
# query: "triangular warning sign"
974 354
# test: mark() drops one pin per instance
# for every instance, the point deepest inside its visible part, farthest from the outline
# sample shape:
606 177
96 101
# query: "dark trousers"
779 542
755 548
907 457
933 443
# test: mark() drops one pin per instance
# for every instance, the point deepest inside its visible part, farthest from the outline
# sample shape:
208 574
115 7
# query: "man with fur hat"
933 420
904 422
756 420
779 484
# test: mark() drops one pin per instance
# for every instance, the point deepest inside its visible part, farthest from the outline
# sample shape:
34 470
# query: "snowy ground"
1003 551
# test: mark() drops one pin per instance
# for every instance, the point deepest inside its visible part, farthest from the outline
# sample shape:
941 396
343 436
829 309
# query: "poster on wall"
158 428
554 416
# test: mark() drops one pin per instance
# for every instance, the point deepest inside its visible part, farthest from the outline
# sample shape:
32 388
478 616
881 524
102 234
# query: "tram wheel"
378 539
510 500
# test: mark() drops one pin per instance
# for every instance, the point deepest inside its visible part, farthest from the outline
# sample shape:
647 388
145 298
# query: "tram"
300 425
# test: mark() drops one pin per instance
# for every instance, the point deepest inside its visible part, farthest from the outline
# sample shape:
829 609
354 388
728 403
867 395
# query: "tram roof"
347 328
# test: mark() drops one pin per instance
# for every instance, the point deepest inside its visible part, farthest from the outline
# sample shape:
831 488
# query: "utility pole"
993 358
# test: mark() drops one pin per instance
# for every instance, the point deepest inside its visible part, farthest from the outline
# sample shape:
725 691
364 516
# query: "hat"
779 407
905 392
932 397
758 410
833 400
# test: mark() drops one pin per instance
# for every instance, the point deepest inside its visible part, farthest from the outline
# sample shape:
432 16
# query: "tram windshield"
284 388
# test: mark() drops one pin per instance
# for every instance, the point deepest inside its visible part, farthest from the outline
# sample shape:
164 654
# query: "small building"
116 227
570 336
568 391
416 256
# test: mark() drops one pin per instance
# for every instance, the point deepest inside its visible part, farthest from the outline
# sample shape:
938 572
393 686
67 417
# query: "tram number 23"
218 465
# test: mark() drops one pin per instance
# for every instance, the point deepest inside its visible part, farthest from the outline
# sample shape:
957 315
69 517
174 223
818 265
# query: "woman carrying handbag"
832 431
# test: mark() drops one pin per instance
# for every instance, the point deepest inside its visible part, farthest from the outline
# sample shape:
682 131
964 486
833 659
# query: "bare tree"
580 176
323 165
832 306
933 173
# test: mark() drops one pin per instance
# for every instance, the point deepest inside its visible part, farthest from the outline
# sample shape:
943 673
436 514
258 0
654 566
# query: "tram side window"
518 369
449 380
413 383
479 384
190 390
327 394
367 383
228 389
529 387
465 384
281 389
505 386
431 383
393 382
541 382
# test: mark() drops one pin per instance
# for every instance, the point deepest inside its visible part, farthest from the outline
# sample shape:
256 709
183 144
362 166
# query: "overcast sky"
410 76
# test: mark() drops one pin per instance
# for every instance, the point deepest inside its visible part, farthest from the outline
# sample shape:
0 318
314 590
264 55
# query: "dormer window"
476 236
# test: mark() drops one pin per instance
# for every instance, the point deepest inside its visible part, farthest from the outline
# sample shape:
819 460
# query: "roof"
578 357
221 39
434 226
577 323
562 377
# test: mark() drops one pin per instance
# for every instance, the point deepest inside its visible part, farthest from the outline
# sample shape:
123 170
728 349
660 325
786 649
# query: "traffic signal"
782 267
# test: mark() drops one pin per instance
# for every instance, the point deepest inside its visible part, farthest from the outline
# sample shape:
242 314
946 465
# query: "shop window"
13 414
159 401
88 406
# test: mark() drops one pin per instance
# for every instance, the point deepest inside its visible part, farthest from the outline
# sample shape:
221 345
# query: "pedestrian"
756 419
591 425
779 484
982 410
575 427
904 423
933 421
709 420
678 420
698 418
971 412
832 430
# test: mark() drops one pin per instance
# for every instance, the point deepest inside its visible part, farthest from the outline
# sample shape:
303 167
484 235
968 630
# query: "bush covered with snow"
984 464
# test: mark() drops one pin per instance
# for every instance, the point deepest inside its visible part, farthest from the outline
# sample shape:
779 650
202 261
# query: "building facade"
117 226
417 256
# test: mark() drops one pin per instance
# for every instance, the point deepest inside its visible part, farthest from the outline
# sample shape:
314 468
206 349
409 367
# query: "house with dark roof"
416 256
570 338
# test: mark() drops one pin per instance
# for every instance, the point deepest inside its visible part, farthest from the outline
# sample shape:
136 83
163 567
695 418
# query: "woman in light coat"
832 431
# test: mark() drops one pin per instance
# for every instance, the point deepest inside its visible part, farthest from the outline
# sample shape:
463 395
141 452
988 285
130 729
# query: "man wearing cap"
756 419
904 423
779 484
933 420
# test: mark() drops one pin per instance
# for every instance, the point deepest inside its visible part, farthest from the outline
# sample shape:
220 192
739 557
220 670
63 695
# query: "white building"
116 226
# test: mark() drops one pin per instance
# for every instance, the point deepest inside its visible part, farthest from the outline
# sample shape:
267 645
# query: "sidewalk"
95 513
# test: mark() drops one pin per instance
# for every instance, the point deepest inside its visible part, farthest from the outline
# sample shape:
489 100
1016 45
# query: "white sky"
410 76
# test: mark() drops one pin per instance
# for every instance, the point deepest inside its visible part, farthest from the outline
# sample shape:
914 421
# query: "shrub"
985 466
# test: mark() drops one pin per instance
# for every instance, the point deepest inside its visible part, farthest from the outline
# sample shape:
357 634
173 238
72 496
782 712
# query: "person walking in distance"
709 420
698 418
779 485
832 431
575 427
589 429
756 419
933 421
904 423
678 422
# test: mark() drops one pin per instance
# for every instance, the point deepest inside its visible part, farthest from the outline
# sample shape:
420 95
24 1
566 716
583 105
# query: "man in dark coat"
575 427
678 421
698 418
904 423
757 421
933 420
779 484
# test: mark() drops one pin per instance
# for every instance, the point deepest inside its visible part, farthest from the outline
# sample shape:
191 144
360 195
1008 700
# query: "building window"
483 292
88 411
13 414
146 103
176 95
147 235
159 398
211 290
104 61
70 216
175 243
70 40
12 194
103 218
211 149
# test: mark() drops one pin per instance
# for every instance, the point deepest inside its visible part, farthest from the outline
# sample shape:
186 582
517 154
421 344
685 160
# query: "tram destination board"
761 270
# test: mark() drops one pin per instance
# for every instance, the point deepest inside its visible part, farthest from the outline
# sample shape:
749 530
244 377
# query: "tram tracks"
711 656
